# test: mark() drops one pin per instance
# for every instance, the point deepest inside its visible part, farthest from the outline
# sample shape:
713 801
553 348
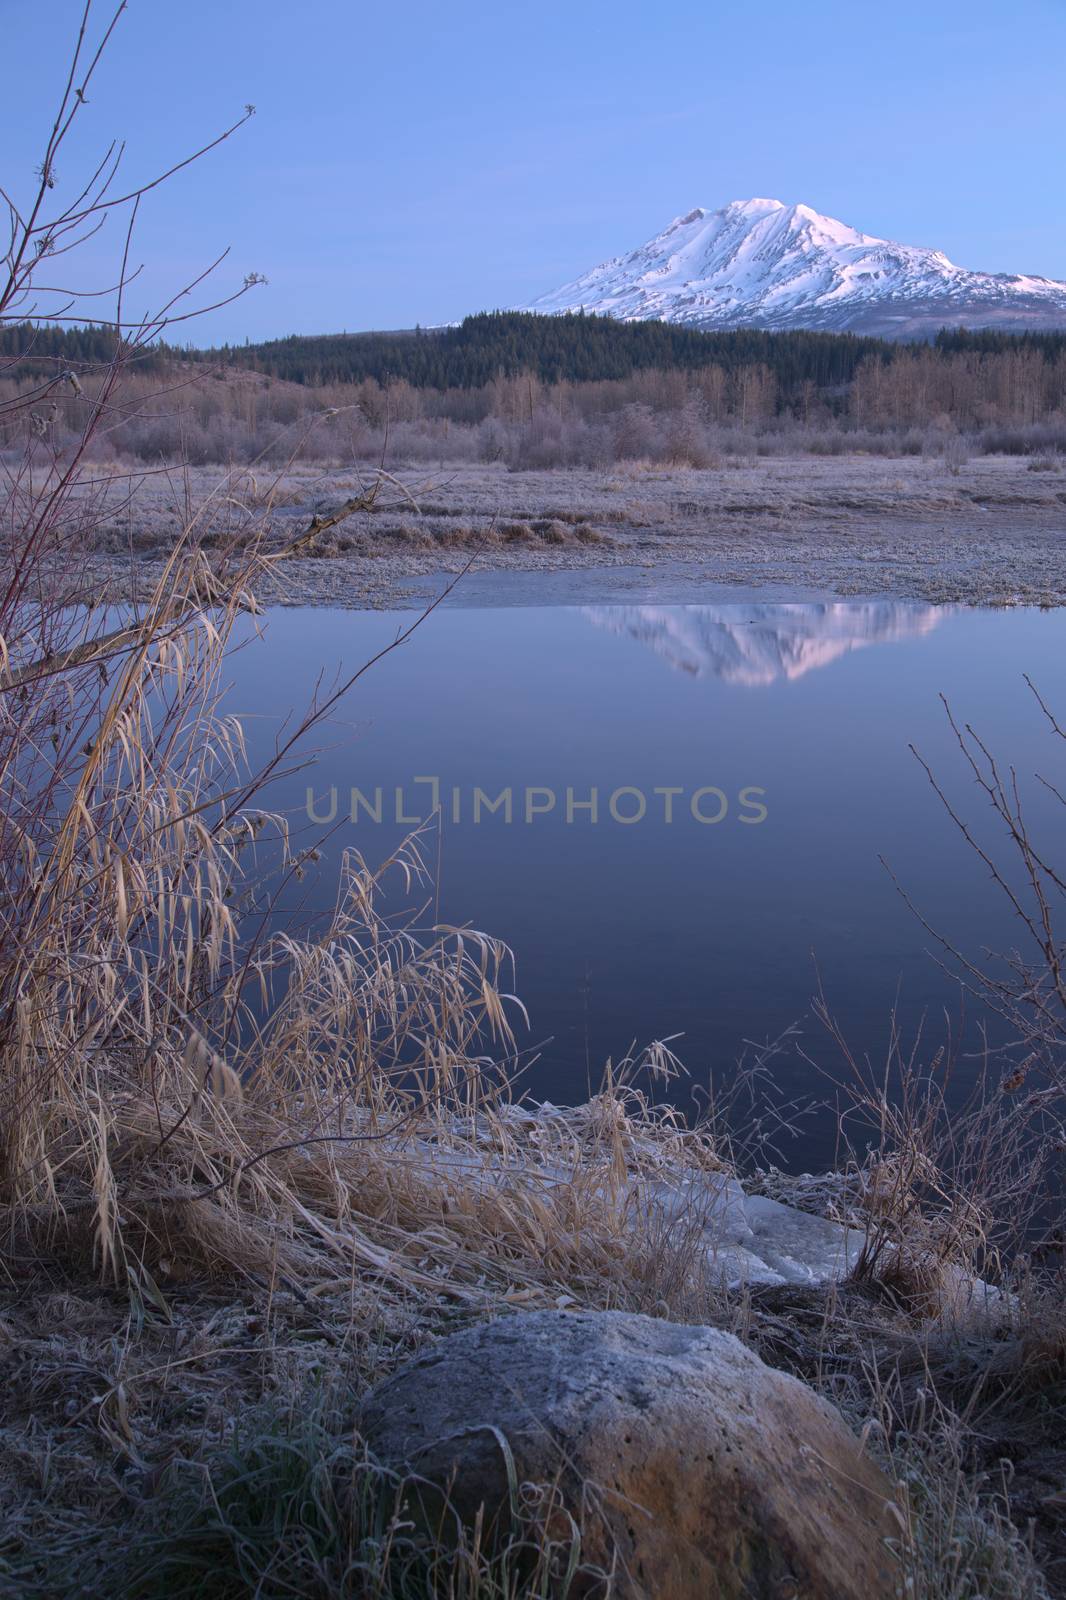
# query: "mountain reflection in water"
758 644
721 934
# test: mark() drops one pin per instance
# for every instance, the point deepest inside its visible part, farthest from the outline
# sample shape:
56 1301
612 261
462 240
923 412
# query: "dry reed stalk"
126 827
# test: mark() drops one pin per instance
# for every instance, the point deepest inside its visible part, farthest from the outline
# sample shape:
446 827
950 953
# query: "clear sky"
412 162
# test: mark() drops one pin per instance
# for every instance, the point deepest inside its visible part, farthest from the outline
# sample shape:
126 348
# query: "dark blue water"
715 930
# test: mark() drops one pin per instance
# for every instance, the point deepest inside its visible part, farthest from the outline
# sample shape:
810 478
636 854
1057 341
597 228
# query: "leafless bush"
1030 439
227 417
1026 986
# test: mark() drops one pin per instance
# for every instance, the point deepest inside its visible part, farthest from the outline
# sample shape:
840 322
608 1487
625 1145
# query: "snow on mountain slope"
760 263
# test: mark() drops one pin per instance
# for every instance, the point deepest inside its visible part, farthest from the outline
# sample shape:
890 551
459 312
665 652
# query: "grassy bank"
184 1423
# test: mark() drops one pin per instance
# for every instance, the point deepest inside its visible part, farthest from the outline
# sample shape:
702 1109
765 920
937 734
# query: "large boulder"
701 1473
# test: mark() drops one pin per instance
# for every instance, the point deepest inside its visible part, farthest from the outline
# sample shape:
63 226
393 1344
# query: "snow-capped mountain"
753 645
760 263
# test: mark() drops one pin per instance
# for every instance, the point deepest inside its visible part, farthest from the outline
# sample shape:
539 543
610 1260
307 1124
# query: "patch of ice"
752 1239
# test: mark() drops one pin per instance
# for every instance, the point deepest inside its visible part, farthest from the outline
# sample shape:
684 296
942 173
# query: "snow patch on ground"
751 1239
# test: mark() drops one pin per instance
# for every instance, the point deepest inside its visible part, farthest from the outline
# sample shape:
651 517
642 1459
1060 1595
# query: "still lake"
776 736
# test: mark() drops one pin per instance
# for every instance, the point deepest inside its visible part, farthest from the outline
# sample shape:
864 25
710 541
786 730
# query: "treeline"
749 393
989 341
38 351
571 349
575 348
964 385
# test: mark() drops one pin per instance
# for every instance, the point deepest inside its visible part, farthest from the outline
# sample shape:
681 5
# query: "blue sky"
414 162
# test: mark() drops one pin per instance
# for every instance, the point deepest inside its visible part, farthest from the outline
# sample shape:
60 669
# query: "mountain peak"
762 263
754 207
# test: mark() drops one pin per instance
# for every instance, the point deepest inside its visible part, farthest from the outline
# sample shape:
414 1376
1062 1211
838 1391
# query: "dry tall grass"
179 1088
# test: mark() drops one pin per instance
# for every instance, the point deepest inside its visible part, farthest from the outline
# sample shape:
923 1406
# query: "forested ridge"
569 349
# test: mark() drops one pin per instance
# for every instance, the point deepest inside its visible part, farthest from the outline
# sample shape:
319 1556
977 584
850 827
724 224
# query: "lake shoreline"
991 533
